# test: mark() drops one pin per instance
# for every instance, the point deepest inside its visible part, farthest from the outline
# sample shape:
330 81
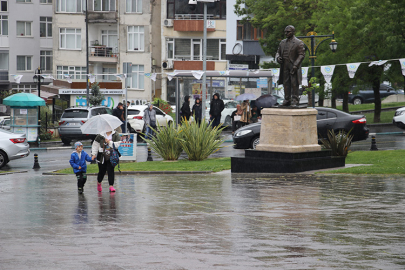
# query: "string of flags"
327 71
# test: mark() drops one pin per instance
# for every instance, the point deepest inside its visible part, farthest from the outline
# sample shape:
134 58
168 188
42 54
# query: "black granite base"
277 162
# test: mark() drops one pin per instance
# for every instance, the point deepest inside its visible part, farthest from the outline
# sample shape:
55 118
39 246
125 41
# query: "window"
23 29
192 49
23 1
222 45
70 6
3 6
134 6
136 38
75 72
109 38
213 49
4 60
137 78
45 26
46 1
196 49
182 48
24 62
70 38
247 32
109 74
104 5
3 25
46 60
217 9
170 48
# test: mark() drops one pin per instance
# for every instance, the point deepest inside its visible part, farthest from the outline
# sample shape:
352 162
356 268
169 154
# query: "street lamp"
37 79
312 42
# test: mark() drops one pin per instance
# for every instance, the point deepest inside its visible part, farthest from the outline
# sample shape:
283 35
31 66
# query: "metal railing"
193 16
102 51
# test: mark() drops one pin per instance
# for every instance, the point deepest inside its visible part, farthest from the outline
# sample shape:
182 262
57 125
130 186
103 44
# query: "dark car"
326 119
367 95
73 118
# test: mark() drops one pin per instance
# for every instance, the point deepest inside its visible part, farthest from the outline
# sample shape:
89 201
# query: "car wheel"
228 121
255 142
357 101
66 141
3 158
170 123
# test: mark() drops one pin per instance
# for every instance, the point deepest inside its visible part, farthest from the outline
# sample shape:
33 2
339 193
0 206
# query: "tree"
96 97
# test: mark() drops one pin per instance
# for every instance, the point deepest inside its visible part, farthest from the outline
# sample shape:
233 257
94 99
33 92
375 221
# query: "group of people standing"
243 115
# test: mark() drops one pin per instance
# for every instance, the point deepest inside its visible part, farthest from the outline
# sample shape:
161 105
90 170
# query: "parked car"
136 114
399 118
366 95
5 123
73 118
327 119
12 146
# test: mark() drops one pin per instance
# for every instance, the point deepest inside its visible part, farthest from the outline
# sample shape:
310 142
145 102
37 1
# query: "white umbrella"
100 123
246 96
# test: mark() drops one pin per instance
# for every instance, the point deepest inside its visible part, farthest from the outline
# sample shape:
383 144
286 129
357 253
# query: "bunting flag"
92 78
151 76
304 75
17 78
327 72
121 76
197 74
378 63
48 76
68 77
352 68
402 62
276 74
171 75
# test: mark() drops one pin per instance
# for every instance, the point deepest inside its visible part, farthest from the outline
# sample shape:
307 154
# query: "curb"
6 173
140 172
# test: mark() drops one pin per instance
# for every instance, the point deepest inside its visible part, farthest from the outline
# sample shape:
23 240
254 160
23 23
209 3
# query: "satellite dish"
237 49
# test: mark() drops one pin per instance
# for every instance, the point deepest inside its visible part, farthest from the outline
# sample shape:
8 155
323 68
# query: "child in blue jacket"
78 162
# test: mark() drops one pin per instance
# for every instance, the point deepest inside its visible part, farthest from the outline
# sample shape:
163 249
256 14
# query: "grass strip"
370 106
211 164
383 162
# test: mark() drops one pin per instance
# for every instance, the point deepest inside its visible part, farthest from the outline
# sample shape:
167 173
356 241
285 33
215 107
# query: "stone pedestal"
288 144
289 130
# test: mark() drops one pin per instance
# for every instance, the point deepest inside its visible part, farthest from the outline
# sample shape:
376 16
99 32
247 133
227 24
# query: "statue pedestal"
289 130
288 144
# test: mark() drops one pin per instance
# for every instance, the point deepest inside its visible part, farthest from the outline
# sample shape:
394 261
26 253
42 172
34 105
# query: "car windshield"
75 114
133 112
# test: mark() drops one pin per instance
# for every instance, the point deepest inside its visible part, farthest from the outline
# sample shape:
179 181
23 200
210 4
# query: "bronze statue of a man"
290 54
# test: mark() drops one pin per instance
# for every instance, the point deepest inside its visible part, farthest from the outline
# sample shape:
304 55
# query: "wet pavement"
213 221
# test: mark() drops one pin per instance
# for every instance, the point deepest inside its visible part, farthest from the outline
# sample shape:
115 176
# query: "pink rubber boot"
99 188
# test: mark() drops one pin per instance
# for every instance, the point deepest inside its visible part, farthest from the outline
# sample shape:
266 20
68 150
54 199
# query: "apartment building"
119 32
182 44
26 41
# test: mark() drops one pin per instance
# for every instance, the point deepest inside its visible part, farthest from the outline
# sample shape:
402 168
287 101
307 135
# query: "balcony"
103 54
103 16
193 23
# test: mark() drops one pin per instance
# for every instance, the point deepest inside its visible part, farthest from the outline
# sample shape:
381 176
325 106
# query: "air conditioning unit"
167 64
168 23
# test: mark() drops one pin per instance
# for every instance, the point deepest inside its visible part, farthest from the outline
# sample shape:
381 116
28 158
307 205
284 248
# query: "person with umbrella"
246 114
236 116
107 139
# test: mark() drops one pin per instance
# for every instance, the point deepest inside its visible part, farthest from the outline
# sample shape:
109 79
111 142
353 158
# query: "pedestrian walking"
119 113
78 162
197 111
246 114
100 150
150 121
236 116
216 108
185 109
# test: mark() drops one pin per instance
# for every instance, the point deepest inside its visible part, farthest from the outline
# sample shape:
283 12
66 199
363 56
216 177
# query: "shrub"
338 142
200 141
163 105
166 142
46 136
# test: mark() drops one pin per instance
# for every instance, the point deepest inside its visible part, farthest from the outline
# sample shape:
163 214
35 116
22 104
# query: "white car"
137 112
12 146
229 107
5 122
399 118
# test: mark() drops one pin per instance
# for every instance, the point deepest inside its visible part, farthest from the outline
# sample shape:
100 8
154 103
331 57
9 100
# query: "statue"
290 54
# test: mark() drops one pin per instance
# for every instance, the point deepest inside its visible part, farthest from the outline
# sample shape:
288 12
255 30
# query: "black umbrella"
266 101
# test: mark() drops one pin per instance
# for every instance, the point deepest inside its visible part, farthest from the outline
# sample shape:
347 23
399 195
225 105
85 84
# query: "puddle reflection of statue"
290 54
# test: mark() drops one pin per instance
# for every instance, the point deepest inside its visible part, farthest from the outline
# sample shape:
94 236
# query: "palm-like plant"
200 141
338 142
166 142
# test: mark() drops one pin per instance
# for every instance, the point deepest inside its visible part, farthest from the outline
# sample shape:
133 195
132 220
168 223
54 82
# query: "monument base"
278 162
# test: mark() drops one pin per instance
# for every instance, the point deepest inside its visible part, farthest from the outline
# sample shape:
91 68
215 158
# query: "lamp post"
312 42
37 79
